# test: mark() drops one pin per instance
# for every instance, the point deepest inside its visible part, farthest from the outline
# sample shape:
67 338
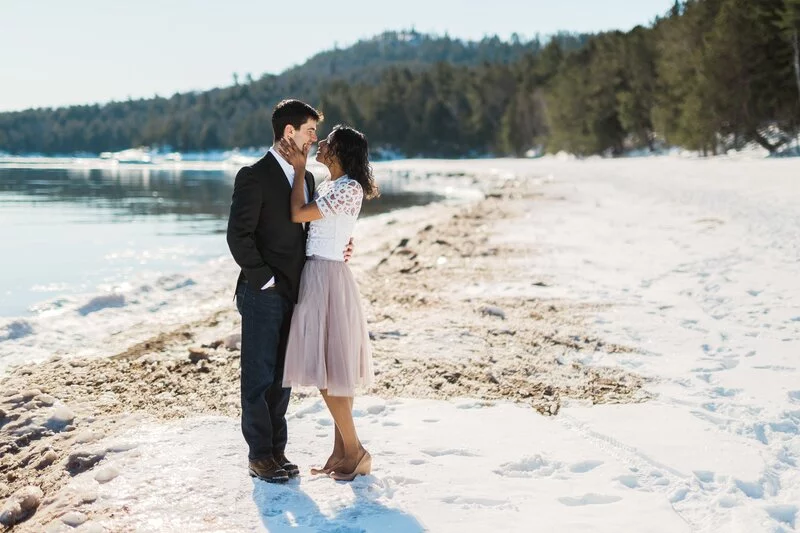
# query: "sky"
55 53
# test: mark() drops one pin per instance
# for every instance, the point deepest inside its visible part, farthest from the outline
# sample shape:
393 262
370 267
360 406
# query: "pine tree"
790 27
569 112
635 100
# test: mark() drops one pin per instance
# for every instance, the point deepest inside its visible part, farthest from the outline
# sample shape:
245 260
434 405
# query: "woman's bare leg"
338 450
341 408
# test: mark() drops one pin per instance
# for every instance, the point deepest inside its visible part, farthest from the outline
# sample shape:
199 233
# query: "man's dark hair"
292 112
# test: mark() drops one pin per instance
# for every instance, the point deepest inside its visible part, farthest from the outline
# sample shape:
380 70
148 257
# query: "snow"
441 466
230 160
695 263
120 315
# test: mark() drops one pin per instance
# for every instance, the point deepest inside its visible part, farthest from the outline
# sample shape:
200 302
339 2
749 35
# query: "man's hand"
348 251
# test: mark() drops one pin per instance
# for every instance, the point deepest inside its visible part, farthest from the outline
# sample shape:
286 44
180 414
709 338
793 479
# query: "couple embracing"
302 320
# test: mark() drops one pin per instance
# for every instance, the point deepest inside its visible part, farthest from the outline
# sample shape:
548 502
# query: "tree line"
709 75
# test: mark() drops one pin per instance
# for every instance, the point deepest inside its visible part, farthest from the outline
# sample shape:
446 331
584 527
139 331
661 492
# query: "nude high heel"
363 468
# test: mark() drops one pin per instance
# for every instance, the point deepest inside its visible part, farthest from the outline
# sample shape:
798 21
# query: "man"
270 249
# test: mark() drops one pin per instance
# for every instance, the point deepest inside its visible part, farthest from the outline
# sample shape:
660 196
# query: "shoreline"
115 314
430 340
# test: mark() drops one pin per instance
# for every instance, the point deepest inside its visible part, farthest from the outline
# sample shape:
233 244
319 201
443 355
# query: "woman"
328 344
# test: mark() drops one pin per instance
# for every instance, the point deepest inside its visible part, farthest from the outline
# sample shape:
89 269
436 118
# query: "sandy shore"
453 310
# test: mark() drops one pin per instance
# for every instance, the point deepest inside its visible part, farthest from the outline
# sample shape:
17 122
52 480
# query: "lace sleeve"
343 198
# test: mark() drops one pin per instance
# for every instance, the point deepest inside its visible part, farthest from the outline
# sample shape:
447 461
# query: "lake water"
66 231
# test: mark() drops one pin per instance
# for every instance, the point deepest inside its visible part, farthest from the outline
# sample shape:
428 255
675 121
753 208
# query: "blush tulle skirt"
328 346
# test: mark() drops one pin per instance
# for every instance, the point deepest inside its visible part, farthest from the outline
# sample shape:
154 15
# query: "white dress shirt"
289 171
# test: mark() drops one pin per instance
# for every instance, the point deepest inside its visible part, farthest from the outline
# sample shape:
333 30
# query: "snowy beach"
598 345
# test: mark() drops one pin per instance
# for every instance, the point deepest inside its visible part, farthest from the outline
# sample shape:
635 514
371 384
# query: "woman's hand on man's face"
293 154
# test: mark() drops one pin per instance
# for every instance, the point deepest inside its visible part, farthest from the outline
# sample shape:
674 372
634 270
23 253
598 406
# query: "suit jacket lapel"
310 185
276 167
276 170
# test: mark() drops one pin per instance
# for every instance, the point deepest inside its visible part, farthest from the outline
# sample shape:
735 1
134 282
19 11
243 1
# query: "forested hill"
236 116
708 75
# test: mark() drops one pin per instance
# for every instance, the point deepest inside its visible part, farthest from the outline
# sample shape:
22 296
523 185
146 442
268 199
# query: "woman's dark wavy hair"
352 150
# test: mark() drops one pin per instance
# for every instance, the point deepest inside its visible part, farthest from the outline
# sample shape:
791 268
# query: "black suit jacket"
261 235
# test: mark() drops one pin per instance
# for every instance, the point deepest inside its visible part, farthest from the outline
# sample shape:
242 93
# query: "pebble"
47 459
232 341
74 518
492 311
20 505
60 418
30 394
15 399
46 400
198 354
106 474
82 460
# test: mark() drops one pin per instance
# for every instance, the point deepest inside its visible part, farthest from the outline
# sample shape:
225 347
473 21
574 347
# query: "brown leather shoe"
268 470
292 469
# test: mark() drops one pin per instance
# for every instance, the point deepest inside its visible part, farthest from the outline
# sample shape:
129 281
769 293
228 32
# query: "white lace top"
339 202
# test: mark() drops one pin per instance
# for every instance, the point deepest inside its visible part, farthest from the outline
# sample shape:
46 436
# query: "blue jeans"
266 317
